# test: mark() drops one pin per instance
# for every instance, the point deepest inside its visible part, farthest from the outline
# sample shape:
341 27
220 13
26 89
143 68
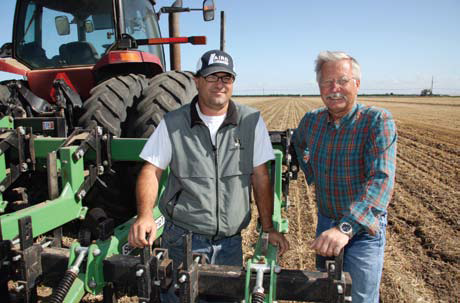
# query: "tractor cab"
55 34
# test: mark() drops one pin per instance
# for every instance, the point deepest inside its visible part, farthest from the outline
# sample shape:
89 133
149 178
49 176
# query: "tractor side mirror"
62 25
89 26
6 50
208 10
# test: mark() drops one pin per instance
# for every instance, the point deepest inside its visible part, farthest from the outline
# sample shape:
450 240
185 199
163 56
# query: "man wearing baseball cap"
217 151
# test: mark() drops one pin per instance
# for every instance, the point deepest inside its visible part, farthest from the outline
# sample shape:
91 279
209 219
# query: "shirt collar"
230 118
353 114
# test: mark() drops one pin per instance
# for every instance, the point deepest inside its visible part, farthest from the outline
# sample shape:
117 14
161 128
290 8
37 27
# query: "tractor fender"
124 62
13 66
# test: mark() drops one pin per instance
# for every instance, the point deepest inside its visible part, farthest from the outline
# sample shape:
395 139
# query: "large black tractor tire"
9 106
4 93
4 96
166 92
131 106
109 102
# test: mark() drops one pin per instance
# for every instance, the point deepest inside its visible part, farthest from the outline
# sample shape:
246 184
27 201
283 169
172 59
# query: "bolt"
2 188
139 273
24 166
100 170
157 282
19 288
339 289
28 160
92 283
21 130
16 258
46 244
332 268
176 286
99 130
80 153
96 252
81 194
159 255
277 269
182 279
105 162
105 138
83 213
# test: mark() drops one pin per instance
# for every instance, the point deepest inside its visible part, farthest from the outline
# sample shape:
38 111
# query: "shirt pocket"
235 162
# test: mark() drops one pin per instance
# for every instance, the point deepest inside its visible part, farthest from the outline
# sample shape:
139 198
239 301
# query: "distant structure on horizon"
428 91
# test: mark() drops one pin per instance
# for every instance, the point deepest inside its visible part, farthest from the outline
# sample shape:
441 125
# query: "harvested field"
422 259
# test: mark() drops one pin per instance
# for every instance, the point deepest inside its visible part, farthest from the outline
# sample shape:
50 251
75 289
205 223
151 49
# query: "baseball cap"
215 61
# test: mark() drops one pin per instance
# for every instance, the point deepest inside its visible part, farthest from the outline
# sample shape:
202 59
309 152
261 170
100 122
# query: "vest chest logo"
236 143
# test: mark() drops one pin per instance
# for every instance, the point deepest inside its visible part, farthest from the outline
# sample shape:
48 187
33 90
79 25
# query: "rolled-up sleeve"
380 168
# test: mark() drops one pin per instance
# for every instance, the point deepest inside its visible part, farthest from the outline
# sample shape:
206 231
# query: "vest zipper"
214 149
217 187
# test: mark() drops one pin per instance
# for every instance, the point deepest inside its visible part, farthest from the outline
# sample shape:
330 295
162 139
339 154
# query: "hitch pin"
260 269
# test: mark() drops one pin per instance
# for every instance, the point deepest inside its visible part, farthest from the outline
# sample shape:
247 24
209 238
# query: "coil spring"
258 297
60 292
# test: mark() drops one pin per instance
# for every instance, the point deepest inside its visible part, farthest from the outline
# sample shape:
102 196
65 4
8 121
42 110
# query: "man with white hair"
349 151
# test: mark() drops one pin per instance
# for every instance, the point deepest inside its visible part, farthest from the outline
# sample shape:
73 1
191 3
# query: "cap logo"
214 58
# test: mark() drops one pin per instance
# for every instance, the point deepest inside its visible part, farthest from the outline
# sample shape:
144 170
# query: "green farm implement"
101 261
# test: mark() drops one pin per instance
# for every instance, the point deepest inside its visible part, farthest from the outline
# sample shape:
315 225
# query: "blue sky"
400 44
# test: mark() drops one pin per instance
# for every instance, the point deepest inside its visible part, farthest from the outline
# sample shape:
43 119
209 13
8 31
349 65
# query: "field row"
422 262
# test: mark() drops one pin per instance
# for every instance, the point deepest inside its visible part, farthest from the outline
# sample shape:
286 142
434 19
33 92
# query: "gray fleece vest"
208 189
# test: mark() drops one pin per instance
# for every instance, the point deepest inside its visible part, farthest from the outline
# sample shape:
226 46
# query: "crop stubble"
422 257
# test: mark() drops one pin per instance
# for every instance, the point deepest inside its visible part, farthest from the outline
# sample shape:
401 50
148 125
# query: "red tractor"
86 62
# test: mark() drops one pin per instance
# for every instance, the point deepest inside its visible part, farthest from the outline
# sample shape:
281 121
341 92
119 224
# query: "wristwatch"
346 228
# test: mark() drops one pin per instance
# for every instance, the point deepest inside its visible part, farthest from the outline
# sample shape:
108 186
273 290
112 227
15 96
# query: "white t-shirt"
158 150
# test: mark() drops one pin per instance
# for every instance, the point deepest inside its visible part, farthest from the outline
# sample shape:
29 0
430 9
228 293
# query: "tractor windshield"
52 33
140 22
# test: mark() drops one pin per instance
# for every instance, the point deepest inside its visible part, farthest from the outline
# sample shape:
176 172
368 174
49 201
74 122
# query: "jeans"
227 251
363 259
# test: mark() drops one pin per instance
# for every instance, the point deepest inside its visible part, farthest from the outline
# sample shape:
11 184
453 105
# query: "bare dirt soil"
422 257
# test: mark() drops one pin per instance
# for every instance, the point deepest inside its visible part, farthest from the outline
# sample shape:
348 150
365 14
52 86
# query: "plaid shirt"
352 163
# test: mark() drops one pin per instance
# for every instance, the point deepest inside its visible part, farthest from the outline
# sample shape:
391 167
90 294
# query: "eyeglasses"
340 82
225 79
